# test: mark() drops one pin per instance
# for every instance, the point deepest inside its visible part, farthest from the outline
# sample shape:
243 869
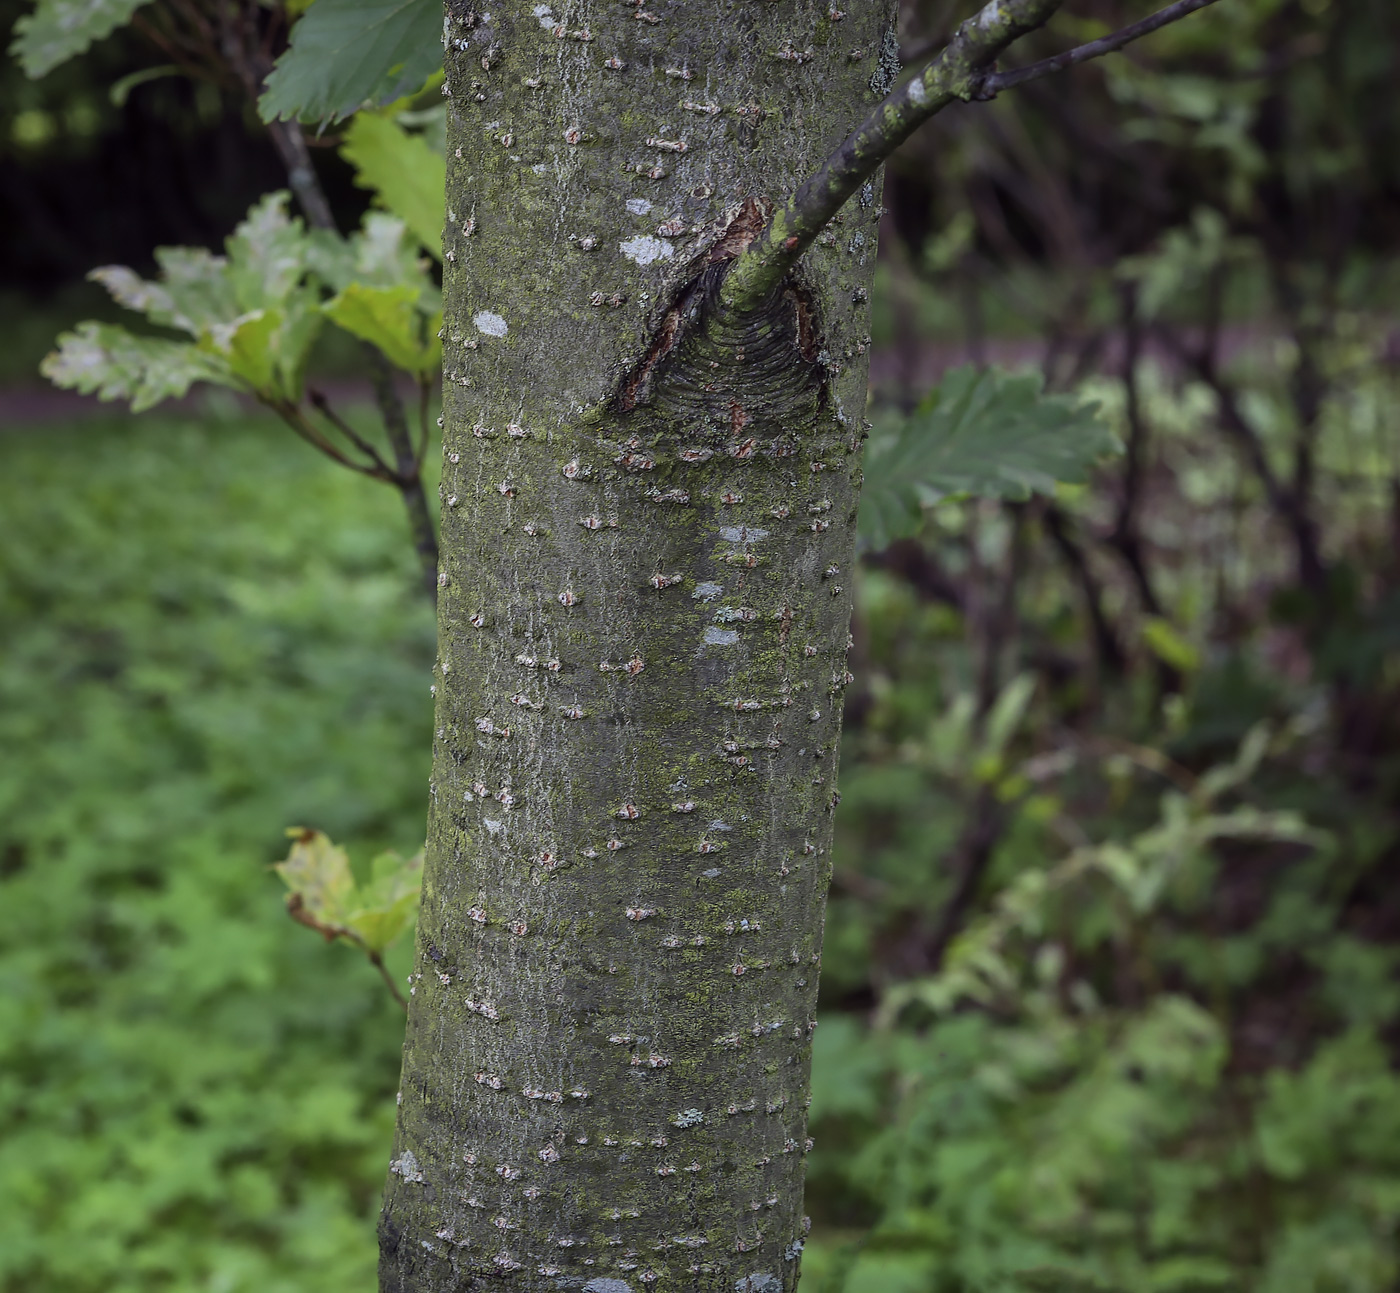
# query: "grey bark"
647 534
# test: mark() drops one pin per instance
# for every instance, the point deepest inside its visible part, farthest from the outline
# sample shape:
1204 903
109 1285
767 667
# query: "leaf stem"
293 416
425 392
378 962
323 406
407 474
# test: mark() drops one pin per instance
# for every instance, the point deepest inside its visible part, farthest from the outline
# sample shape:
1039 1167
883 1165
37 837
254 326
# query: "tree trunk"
647 539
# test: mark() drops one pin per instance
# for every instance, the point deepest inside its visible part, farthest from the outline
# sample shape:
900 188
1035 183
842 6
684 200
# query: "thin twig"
290 142
272 32
1290 508
971 856
323 406
1233 422
199 21
953 74
1109 652
1125 537
961 70
299 912
378 962
407 476
998 81
1143 755
425 391
298 421
999 624
174 49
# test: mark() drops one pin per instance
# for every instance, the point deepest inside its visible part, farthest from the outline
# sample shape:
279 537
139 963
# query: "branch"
961 70
971 855
323 406
1108 651
955 73
408 475
999 81
1125 537
290 141
425 391
293 416
378 962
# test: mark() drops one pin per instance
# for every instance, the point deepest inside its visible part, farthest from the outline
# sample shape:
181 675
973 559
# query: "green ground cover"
208 635
1157 1055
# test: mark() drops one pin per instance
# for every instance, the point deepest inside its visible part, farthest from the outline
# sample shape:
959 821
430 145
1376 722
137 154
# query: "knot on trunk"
706 356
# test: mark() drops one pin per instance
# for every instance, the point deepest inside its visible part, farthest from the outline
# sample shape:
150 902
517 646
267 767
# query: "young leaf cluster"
253 313
325 896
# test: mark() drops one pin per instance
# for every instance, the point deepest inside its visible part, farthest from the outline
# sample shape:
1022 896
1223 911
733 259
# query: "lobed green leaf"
268 348
987 434
388 905
390 318
58 30
345 53
325 897
267 253
112 363
319 872
406 175
379 254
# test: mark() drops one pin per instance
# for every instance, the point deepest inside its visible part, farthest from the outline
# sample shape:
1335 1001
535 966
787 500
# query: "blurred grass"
206 634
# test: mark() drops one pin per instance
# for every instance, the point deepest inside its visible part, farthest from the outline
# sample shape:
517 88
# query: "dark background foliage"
86 182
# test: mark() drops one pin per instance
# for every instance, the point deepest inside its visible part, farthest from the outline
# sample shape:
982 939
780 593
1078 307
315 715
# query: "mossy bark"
648 527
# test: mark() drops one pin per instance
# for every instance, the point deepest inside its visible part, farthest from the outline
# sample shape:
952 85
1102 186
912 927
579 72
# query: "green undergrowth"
1159 1052
207 634
1156 1058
